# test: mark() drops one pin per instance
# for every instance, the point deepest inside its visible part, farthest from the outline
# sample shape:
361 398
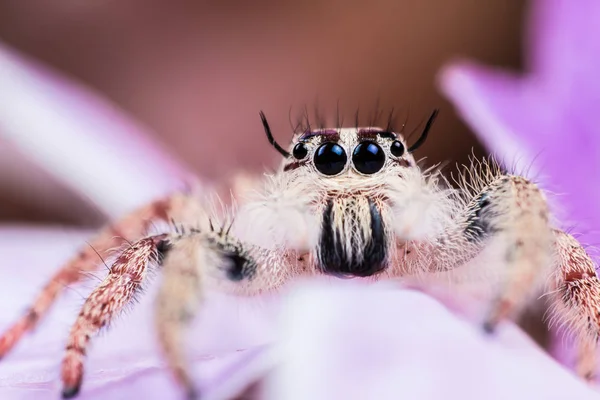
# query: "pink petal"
345 341
124 362
80 138
563 48
548 119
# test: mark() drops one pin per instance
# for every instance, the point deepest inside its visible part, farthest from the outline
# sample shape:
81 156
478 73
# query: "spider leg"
178 299
193 262
503 224
123 282
510 216
575 300
129 271
131 227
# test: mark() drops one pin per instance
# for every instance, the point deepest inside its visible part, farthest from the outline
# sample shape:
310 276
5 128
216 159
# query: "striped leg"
130 228
123 282
575 295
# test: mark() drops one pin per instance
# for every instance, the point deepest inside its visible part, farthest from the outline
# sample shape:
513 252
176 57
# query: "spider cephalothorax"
354 170
349 202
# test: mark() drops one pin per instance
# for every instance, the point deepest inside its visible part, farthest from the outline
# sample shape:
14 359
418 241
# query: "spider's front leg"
506 226
189 261
195 261
512 215
267 246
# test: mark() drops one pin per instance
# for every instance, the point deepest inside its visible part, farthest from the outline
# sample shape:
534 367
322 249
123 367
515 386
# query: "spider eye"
330 159
300 151
397 148
368 157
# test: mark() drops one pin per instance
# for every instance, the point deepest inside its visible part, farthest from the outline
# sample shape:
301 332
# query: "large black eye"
368 157
330 159
397 148
300 151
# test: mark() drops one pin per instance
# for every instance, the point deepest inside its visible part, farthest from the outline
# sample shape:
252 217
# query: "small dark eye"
368 157
300 151
397 148
330 159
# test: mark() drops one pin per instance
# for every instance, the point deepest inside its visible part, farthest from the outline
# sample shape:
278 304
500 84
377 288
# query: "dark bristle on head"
376 113
308 126
270 137
390 123
294 127
320 120
425 132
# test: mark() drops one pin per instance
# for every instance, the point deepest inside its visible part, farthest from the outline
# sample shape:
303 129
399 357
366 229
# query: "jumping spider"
348 202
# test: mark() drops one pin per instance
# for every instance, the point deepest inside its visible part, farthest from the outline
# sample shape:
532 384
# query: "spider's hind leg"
575 300
129 228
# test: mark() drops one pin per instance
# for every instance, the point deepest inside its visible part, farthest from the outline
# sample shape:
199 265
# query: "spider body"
348 202
352 170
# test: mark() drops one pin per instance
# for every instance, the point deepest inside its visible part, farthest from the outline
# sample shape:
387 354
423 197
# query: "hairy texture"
88 259
348 216
518 219
353 237
194 261
574 293
118 289
472 179
422 206
282 211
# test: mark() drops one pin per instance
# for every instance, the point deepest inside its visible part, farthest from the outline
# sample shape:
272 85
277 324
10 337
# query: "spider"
347 202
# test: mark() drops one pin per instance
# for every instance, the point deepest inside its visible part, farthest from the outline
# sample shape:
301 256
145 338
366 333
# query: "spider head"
348 154
349 178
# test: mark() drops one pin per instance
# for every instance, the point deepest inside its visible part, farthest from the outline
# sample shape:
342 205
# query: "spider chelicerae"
348 202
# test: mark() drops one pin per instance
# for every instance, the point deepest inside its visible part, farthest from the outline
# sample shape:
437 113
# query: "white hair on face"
421 207
281 215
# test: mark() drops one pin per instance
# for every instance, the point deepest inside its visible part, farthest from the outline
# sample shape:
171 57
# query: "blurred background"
196 73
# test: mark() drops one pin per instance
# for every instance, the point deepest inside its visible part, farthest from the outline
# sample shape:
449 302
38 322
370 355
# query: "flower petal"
382 343
546 121
80 138
123 362
563 48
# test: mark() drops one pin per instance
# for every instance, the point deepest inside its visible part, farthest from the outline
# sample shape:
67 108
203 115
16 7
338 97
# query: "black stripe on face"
333 258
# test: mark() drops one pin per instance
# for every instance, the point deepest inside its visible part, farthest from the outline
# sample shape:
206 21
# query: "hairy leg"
575 300
130 228
129 271
194 255
513 215
193 262
123 282
503 224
